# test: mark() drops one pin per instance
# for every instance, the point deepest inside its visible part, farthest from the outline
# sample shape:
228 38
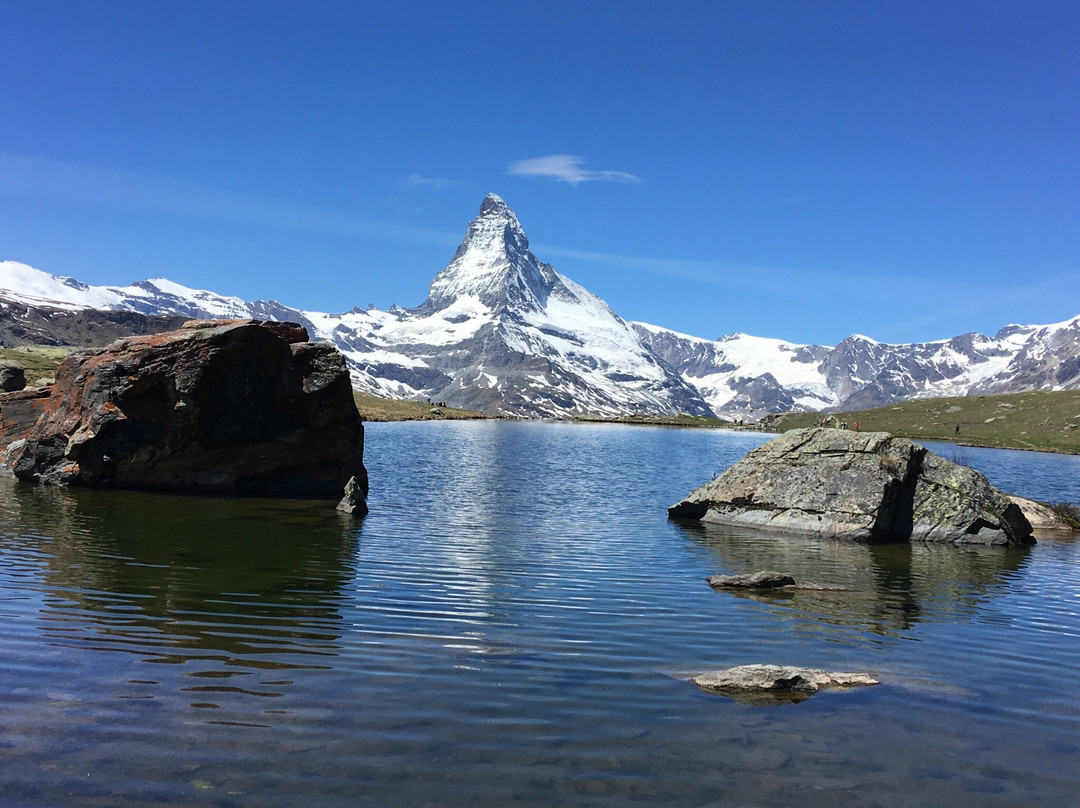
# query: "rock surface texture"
354 500
766 579
863 486
12 377
776 684
235 406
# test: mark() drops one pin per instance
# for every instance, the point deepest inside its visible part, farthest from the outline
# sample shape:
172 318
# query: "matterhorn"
502 332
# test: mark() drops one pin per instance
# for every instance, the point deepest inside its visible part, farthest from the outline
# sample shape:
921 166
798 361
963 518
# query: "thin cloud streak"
566 168
88 185
434 183
831 291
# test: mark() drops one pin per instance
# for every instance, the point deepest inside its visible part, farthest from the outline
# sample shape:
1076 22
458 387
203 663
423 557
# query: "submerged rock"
776 684
233 406
864 486
766 579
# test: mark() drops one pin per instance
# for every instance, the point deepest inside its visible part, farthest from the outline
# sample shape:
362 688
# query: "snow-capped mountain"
503 332
499 331
741 375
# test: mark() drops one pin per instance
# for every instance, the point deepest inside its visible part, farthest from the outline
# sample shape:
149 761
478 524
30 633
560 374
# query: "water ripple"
515 623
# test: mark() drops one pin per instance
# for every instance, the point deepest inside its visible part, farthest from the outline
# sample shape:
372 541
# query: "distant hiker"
957 432
856 426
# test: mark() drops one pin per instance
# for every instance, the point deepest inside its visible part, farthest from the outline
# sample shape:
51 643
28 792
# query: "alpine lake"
515 623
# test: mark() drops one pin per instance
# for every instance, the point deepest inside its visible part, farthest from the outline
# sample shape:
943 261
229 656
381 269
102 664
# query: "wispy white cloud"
566 168
24 175
434 183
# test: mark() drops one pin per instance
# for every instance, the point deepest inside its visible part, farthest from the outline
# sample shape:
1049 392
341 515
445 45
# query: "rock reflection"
884 589
241 583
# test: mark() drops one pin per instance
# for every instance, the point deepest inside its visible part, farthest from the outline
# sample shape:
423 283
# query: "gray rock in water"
354 501
12 376
767 685
766 579
864 486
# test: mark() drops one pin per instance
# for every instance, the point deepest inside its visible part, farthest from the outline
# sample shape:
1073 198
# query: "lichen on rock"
863 486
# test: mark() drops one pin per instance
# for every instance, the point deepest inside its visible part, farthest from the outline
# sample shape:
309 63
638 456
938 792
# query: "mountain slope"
741 376
502 332
499 331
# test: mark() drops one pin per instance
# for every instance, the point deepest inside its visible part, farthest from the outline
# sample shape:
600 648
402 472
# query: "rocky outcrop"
1046 522
863 486
765 685
12 376
235 406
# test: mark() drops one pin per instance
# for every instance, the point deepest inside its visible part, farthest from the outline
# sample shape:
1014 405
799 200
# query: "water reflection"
226 585
884 589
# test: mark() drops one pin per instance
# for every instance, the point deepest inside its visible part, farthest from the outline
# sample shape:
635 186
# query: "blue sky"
803 170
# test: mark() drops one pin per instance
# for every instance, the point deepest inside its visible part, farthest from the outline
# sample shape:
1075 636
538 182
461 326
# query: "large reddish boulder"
232 406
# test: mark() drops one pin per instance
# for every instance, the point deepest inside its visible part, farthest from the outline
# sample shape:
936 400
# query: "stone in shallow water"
863 486
354 501
767 685
766 579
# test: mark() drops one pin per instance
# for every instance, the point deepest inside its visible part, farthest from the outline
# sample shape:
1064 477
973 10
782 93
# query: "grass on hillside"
374 408
1042 420
681 419
39 362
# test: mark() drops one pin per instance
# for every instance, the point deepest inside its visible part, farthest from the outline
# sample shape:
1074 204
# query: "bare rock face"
233 406
863 486
765 685
354 500
12 376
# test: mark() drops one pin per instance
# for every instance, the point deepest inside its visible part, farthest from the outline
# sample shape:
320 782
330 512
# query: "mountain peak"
493 205
493 264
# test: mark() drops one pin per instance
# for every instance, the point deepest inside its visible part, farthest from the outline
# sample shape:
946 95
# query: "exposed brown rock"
864 486
236 406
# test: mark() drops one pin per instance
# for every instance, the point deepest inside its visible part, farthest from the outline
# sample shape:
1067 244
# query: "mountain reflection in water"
881 588
515 623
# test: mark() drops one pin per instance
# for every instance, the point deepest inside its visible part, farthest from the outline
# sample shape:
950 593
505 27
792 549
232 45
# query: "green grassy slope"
39 362
1047 421
373 408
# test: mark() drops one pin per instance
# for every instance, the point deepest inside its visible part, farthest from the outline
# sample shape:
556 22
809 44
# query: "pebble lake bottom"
514 623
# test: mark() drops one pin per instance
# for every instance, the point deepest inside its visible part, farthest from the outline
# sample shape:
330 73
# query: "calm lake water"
514 624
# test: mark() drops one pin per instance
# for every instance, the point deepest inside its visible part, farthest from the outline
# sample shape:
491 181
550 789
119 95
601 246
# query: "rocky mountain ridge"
506 333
